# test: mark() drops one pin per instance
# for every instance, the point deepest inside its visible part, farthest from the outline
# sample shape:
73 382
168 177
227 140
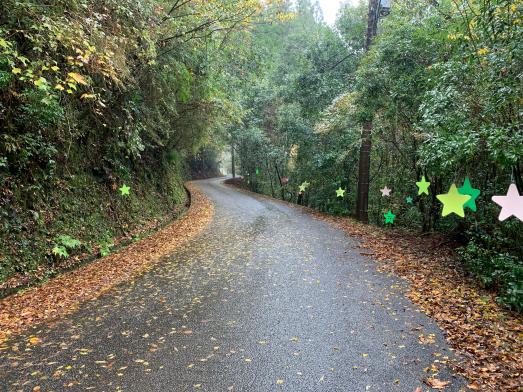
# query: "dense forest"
106 107
104 94
441 85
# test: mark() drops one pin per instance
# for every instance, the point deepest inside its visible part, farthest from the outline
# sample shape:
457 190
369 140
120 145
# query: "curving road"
266 299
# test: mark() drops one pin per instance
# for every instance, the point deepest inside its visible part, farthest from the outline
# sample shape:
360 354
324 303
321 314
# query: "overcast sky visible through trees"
331 7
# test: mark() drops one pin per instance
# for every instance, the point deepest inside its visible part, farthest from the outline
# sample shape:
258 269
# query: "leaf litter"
63 294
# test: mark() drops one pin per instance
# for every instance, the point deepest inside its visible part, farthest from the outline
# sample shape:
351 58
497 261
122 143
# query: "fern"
60 251
69 242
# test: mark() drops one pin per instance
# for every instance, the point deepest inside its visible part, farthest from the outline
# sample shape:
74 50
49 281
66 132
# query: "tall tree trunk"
232 161
362 204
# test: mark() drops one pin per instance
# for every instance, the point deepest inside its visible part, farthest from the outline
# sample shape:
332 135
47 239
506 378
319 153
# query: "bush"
495 267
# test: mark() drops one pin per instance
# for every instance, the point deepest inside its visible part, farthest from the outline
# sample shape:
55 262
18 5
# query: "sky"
330 9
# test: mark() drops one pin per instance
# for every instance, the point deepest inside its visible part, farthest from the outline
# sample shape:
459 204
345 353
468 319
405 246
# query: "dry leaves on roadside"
62 295
487 336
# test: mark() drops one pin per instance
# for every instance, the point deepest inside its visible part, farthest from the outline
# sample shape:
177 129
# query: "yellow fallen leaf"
279 382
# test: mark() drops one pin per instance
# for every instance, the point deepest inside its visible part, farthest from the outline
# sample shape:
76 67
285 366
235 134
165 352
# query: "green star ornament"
257 171
389 217
303 186
409 200
467 189
124 190
423 186
340 192
453 202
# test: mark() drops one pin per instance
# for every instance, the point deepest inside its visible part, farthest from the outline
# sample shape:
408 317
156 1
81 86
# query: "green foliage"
489 256
69 242
97 93
441 84
64 243
60 251
105 247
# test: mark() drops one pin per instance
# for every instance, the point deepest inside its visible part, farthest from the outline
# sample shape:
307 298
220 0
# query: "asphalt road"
266 299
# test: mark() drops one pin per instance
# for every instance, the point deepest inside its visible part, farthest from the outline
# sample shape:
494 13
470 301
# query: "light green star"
389 217
257 171
124 190
453 202
409 200
303 187
340 192
467 189
423 186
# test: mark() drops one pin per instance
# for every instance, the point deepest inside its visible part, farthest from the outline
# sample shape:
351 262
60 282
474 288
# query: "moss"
86 209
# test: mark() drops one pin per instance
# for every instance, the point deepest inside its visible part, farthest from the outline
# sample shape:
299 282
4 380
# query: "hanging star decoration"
389 217
124 190
467 189
340 192
385 191
423 186
453 202
409 200
511 204
304 186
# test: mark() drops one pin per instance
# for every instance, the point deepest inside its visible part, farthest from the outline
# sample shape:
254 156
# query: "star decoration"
257 171
409 200
467 189
453 202
511 204
340 192
389 217
303 186
124 190
385 191
423 186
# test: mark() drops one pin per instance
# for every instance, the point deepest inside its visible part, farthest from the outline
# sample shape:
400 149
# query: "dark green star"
467 189
389 217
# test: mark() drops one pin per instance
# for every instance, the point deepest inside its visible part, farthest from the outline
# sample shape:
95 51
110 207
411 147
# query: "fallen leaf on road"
436 383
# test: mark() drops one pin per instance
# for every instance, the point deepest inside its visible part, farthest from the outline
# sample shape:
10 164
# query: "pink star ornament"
385 191
511 204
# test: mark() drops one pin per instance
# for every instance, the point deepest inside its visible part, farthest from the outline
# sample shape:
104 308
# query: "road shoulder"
63 294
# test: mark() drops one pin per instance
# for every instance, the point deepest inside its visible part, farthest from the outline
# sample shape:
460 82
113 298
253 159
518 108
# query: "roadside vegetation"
442 83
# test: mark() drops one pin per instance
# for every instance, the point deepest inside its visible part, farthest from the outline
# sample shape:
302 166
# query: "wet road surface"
266 299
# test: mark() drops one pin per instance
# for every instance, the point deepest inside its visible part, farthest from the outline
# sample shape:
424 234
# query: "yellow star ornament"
340 192
453 202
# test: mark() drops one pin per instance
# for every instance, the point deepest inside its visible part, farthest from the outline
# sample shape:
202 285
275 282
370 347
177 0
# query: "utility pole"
362 204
